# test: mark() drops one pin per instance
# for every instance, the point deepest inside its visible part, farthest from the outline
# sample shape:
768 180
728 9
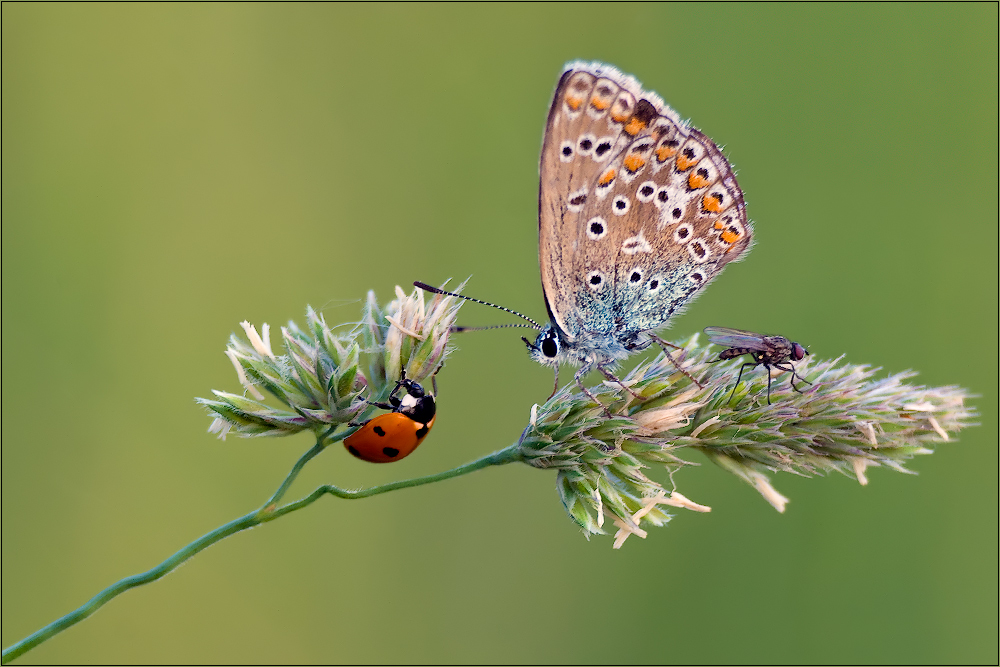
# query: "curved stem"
255 518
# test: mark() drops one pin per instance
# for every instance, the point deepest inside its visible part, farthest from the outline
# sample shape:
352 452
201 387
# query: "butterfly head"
546 349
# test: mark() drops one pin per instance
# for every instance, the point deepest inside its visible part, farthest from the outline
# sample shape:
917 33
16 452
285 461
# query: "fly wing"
736 338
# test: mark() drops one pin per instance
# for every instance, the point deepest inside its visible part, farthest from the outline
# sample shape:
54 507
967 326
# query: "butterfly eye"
549 346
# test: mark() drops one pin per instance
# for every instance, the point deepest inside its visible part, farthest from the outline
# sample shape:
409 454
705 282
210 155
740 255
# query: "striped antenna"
435 290
459 329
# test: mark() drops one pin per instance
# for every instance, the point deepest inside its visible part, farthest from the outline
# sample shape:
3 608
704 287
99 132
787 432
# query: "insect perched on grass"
768 351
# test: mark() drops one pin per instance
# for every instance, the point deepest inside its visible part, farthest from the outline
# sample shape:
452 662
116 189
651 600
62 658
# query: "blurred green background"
170 170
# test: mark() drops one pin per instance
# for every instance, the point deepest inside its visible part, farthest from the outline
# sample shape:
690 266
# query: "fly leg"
751 364
791 380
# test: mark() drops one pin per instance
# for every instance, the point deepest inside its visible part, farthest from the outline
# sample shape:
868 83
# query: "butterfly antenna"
435 290
460 329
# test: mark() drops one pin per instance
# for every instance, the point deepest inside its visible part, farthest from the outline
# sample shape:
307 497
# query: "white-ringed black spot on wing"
597 227
585 144
603 148
566 151
699 251
697 276
576 200
646 191
683 233
620 205
636 276
676 214
595 279
653 285
661 197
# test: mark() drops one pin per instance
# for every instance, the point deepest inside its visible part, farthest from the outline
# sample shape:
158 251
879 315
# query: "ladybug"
394 435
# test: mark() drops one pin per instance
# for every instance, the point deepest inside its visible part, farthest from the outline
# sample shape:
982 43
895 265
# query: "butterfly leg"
579 382
663 344
751 364
555 383
611 376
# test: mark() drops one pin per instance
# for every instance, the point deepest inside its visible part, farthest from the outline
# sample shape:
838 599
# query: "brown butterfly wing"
628 237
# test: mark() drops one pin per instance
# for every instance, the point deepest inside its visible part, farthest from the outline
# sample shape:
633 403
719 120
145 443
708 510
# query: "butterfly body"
637 213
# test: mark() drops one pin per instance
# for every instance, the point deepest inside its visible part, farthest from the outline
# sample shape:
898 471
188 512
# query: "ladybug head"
417 404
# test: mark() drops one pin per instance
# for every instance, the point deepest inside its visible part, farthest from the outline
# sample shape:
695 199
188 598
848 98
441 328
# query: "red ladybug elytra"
394 435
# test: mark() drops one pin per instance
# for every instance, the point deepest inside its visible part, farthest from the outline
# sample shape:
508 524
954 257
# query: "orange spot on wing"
619 116
684 163
711 203
573 102
729 236
634 126
608 176
664 153
696 181
718 224
599 104
634 162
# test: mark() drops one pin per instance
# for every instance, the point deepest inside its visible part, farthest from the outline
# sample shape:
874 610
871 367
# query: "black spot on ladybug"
390 452
353 451
379 431
422 431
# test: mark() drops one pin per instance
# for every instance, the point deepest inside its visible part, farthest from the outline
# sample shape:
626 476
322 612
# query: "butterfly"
637 213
